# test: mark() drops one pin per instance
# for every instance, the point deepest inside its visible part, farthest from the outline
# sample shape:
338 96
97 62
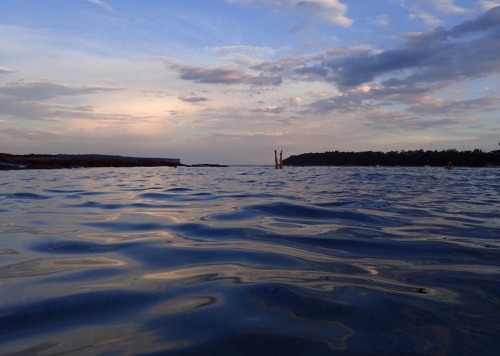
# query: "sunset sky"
230 81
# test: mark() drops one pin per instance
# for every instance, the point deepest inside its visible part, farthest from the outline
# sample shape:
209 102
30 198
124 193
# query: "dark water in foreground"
250 260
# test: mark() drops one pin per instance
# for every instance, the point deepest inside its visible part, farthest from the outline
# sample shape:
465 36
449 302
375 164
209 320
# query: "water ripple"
249 260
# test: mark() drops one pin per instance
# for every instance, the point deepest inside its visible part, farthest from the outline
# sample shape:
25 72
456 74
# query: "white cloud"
270 109
242 55
485 5
6 70
382 20
102 3
330 11
428 10
447 6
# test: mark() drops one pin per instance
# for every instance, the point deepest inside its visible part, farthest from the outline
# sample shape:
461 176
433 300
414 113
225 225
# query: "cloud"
342 102
489 21
426 10
43 90
6 70
397 121
299 28
312 72
436 57
271 109
382 20
249 134
329 11
224 75
22 109
192 99
30 134
485 5
455 106
101 3
282 65
242 54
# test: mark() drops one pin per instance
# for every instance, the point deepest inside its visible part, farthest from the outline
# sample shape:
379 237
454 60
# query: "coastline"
415 158
60 161
67 161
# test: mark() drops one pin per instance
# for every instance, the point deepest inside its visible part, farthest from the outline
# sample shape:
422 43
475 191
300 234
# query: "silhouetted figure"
449 165
278 164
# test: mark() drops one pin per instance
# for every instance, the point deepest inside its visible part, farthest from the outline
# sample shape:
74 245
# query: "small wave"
27 196
178 197
47 316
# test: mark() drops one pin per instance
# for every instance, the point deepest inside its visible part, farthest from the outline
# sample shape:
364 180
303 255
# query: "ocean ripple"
248 260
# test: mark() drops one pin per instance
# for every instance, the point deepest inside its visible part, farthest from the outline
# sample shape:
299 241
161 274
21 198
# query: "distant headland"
475 158
59 161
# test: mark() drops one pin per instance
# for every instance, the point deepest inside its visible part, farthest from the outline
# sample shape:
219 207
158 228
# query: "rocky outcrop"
41 161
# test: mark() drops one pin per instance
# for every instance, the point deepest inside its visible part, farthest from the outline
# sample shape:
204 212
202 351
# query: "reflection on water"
248 260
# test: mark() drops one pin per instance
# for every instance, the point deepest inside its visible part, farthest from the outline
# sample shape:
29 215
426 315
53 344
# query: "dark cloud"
42 90
491 19
435 56
343 102
264 80
313 71
282 65
410 73
192 99
423 62
407 94
224 75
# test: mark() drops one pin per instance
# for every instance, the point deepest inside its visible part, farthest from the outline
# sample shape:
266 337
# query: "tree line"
475 158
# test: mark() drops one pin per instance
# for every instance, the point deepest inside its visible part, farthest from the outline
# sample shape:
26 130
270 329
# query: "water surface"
250 260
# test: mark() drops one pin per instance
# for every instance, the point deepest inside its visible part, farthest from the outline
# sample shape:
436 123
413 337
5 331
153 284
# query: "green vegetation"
475 158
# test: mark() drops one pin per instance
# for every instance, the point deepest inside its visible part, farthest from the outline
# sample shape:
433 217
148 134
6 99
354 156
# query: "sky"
230 81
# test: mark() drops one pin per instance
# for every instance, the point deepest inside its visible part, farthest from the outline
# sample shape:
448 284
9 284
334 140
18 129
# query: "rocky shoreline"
415 158
61 161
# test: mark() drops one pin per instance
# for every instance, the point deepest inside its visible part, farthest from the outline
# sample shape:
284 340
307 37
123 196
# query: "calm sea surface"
250 261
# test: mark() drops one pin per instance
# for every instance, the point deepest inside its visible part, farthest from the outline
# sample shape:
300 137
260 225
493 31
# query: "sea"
250 260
